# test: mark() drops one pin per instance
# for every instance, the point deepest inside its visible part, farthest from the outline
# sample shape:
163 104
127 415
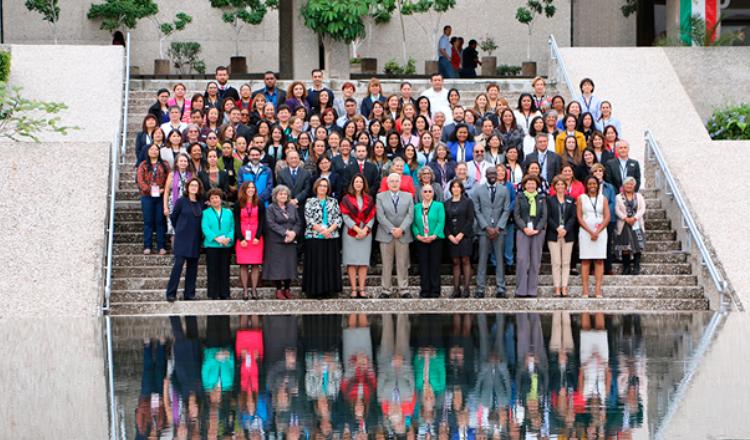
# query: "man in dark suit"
273 94
225 90
622 166
296 178
241 130
549 162
362 166
491 210
313 93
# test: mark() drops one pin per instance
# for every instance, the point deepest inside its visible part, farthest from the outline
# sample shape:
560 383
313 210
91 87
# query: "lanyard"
154 172
218 216
593 204
587 104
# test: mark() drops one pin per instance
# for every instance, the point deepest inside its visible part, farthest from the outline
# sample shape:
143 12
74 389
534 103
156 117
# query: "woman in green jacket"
428 228
218 232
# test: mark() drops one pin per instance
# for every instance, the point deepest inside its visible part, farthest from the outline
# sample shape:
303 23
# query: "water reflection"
457 377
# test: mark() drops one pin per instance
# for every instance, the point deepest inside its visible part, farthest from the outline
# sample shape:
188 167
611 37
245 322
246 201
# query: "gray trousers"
528 262
484 253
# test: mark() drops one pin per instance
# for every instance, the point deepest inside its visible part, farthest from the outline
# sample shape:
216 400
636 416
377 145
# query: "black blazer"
141 147
222 184
334 179
568 218
301 188
614 176
521 212
246 132
370 171
552 162
161 116
229 92
338 165
261 222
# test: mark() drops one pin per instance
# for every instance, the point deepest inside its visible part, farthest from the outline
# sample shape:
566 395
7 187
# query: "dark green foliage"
731 123
4 66
118 13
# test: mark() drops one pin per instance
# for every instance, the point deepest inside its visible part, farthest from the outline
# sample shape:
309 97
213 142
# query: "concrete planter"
528 69
238 65
355 68
489 66
369 65
161 67
430 67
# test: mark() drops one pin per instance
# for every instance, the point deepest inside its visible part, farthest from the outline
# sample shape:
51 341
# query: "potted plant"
161 65
526 15
489 63
184 56
238 13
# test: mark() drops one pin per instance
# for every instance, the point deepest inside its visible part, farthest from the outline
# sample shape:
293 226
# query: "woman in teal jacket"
218 232
428 228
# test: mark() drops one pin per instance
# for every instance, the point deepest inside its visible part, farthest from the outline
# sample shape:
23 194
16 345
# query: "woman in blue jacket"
218 231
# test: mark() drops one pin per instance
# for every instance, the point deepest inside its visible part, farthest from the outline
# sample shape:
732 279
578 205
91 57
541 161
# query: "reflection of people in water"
562 371
184 384
253 403
396 393
594 376
493 386
217 374
531 372
150 414
359 384
429 373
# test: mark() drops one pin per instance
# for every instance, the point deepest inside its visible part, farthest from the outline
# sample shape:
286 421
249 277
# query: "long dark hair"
242 195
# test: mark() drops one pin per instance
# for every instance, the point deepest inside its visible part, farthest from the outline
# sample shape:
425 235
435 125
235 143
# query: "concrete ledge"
54 215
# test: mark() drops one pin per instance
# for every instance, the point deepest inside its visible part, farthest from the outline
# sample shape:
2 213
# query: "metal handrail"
120 138
653 152
554 54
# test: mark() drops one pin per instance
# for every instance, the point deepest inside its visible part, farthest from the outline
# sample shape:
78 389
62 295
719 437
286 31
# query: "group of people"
455 60
274 178
394 377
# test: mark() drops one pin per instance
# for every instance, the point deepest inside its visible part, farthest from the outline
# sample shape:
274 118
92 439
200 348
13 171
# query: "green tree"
238 13
50 10
23 119
527 14
166 29
336 20
116 14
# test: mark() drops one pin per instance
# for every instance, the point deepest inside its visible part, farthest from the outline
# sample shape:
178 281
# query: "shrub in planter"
506 70
184 56
393 68
731 123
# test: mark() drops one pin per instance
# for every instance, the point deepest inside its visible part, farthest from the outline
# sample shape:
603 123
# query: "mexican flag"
708 10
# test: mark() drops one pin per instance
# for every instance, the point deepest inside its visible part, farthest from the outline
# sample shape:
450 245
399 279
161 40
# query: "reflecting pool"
459 377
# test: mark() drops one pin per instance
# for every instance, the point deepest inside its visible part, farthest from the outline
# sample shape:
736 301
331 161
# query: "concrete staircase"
667 282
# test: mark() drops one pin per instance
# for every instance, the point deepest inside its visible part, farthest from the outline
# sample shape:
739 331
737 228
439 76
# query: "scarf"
361 217
531 197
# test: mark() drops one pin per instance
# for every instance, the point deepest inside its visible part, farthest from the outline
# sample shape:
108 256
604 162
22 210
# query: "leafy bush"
488 45
506 70
184 56
731 123
393 68
355 60
4 66
23 119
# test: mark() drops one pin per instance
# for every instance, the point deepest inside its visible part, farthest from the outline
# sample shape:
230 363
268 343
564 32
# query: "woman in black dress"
459 230
283 223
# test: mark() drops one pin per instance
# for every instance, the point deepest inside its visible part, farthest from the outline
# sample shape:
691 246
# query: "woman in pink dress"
249 219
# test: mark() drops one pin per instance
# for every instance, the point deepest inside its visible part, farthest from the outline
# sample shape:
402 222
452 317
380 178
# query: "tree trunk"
403 32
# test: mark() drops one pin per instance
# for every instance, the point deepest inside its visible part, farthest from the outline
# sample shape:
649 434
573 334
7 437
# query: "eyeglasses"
429 191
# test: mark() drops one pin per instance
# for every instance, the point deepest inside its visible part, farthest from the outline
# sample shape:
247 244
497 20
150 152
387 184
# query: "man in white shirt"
350 107
444 54
438 97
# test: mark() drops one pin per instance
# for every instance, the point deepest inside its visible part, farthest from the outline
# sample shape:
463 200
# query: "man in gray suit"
491 210
395 214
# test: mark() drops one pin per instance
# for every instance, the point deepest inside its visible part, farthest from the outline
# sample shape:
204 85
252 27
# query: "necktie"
395 203
361 167
294 176
492 194
479 171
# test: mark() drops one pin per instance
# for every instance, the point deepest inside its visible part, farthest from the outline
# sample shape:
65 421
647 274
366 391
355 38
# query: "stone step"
339 306
148 87
137 237
136 248
610 291
545 280
125 261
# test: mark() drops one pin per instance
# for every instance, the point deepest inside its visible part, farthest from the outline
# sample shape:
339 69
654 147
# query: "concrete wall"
600 23
53 377
470 19
88 79
709 79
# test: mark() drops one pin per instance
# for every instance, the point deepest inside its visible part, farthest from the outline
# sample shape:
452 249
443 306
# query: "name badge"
636 226
530 225
248 235
155 191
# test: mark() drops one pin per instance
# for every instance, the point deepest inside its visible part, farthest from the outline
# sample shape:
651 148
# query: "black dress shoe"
191 298
500 295
406 296
478 294
456 293
171 299
574 272
384 295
